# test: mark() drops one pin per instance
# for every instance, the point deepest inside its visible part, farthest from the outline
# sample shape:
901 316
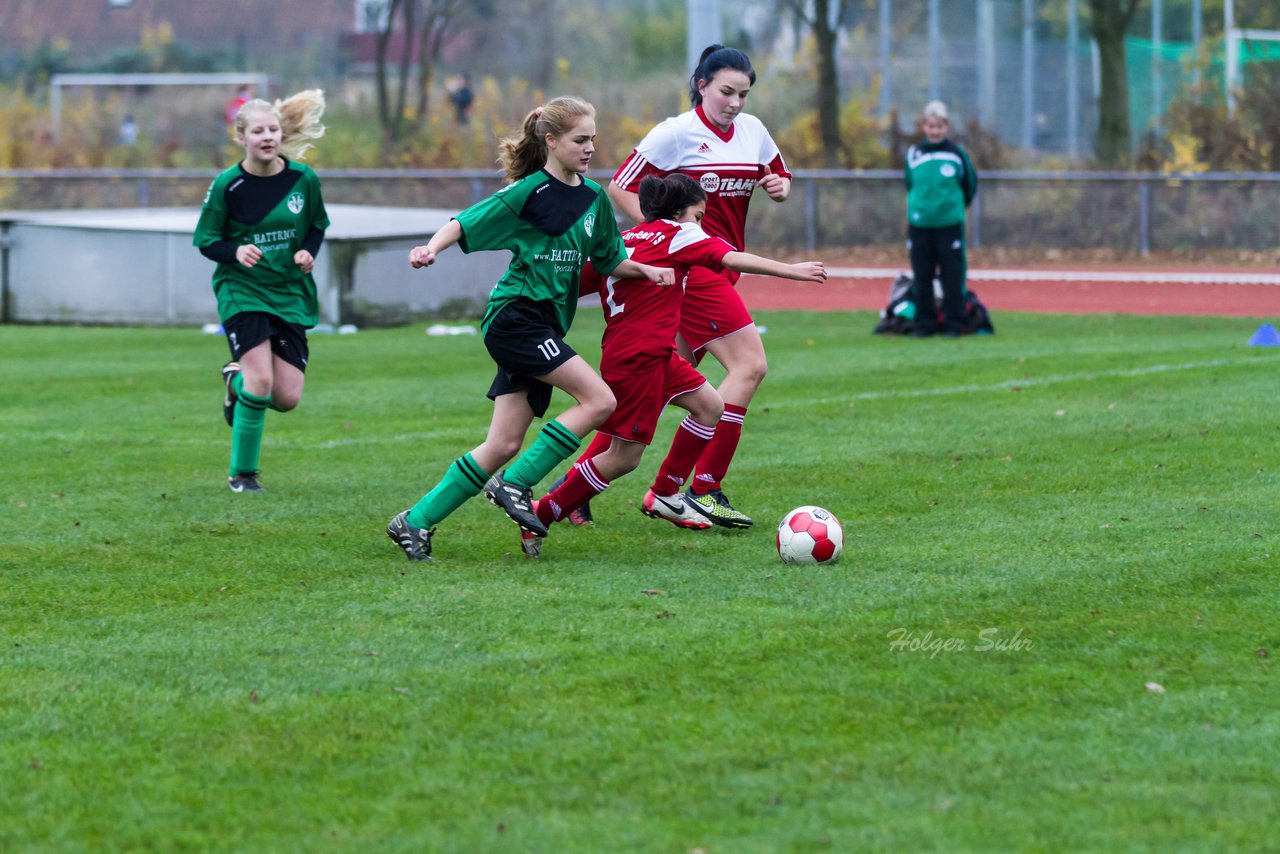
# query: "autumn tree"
1110 20
416 30
823 18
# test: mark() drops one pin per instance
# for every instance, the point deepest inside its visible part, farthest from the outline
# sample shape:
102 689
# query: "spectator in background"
128 134
243 96
941 183
459 90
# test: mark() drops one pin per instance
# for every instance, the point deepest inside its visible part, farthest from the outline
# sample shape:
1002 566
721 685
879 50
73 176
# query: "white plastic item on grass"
445 329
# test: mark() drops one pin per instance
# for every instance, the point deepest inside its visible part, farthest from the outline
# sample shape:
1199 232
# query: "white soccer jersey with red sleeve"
641 318
726 164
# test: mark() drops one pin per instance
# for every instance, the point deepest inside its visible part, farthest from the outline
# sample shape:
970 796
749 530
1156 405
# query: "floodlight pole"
1229 74
987 63
1197 34
885 35
1073 86
1157 44
1028 75
703 27
935 48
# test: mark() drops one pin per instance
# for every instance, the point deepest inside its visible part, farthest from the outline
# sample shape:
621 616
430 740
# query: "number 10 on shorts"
549 349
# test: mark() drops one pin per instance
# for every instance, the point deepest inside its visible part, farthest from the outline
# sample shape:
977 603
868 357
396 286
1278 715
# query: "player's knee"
752 370
708 411
284 401
600 405
502 449
627 459
258 386
626 466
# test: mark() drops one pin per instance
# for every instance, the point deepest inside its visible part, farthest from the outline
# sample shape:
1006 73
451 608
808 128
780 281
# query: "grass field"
1038 525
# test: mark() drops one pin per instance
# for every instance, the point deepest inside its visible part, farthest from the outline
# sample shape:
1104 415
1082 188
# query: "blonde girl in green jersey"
262 222
551 218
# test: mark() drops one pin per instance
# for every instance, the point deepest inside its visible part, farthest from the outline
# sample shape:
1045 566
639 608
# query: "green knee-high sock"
555 444
463 480
246 433
237 386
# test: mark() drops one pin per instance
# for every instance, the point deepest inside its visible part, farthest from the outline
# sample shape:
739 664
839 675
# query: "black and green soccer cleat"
715 507
416 542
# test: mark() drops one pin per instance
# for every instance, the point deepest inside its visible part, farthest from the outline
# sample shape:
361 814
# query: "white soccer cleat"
675 509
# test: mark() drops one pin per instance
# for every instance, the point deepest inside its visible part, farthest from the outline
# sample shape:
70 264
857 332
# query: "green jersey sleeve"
213 216
488 224
319 216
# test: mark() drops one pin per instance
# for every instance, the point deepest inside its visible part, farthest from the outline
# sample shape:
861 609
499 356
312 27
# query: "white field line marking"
268 439
1024 383
1156 277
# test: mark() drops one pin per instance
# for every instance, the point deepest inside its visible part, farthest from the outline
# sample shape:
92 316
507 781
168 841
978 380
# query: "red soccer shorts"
643 387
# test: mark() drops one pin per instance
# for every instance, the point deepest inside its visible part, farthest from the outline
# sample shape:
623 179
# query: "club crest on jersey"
296 202
948 171
589 224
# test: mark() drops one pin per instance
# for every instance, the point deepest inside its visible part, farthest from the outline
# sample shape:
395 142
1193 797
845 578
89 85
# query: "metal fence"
1126 211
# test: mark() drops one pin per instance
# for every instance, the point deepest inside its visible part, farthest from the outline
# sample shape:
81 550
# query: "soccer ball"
809 535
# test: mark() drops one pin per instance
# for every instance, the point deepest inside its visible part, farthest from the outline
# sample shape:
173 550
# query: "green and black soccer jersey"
551 228
940 184
279 214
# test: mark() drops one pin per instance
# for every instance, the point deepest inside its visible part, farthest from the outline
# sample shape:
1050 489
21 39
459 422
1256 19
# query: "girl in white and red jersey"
639 361
729 153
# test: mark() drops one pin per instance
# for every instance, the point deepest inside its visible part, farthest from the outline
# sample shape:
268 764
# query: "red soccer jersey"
641 318
726 164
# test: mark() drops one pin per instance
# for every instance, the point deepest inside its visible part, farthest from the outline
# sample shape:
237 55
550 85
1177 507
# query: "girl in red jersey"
640 363
729 153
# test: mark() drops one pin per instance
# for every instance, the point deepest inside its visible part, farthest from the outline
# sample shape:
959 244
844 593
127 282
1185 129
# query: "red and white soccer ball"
809 535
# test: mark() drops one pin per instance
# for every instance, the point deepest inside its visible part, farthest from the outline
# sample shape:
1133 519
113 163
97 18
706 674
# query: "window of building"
372 15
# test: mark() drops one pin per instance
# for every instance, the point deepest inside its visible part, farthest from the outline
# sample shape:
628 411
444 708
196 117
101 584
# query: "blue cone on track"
1266 336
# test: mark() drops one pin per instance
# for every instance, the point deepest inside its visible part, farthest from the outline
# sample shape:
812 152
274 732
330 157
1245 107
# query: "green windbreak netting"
1159 74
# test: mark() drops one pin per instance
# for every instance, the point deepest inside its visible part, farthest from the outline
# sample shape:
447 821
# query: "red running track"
1202 295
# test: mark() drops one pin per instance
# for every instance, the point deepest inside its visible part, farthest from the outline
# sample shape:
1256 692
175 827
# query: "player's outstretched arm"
804 271
628 269
425 256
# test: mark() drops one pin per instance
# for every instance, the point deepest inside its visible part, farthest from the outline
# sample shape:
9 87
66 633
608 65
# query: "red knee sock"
599 444
581 484
715 459
688 444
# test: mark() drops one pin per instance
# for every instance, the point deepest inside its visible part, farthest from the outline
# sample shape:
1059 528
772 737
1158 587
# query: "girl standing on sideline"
263 221
940 185
551 218
729 153
640 363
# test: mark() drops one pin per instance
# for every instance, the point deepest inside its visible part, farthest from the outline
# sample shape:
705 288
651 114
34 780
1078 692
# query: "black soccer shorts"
248 329
524 340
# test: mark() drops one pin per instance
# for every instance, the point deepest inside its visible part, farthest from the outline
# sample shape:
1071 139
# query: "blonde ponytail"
300 116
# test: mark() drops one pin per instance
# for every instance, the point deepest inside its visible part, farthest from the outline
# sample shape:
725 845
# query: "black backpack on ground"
898 316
